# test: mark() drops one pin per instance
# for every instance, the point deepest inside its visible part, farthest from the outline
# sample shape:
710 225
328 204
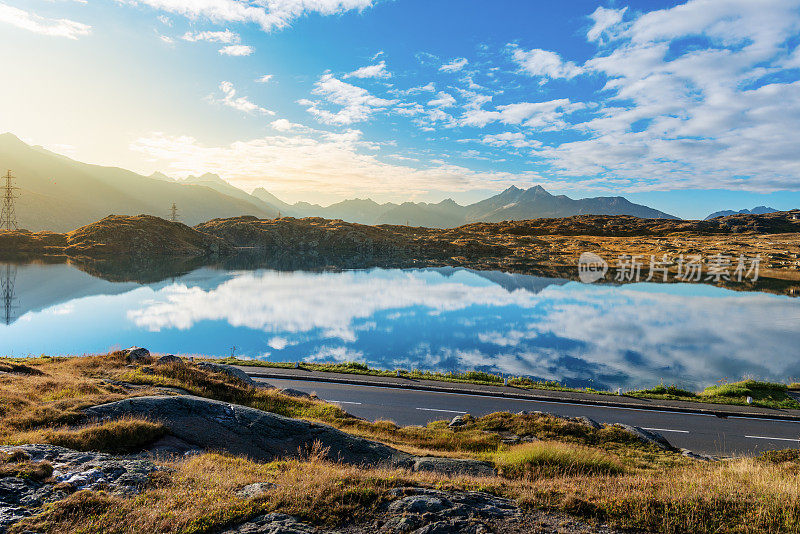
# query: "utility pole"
173 213
7 290
8 218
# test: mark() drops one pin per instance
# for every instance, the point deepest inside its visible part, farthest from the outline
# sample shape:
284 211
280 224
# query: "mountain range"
60 194
758 210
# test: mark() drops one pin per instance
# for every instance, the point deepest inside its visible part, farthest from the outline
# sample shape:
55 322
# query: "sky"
687 107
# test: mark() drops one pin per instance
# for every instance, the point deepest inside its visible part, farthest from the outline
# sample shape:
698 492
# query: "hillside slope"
60 194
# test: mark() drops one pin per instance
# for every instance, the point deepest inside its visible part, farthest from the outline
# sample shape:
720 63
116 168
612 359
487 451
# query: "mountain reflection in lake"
438 319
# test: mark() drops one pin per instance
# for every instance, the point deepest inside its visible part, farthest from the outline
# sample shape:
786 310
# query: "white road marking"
768 437
342 402
443 411
563 403
665 430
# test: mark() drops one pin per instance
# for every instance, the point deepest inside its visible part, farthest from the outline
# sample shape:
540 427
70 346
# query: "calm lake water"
437 319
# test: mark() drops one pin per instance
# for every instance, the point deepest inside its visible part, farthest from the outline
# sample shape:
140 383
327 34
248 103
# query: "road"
703 433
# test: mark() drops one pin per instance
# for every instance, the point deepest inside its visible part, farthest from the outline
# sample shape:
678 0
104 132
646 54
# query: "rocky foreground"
129 442
36 477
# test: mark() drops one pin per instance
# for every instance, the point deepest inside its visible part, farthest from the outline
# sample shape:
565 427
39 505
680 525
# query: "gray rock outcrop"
244 431
272 524
169 358
228 370
648 436
137 355
454 466
72 471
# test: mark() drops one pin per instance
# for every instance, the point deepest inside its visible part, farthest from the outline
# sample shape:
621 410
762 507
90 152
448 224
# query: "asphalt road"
708 434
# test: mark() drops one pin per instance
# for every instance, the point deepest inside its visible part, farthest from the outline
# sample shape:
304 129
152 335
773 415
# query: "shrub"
119 436
554 459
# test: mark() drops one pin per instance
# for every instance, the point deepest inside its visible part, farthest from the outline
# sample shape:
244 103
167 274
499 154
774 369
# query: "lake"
442 319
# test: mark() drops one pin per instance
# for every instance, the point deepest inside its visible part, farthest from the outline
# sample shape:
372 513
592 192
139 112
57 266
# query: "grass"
117 437
538 459
600 474
18 464
764 394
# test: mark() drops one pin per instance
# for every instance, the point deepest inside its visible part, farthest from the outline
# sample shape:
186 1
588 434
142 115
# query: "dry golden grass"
120 436
53 394
604 474
200 495
543 458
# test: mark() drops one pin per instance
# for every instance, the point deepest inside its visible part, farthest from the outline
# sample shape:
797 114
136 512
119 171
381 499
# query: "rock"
137 355
294 393
72 471
698 456
459 420
10 515
454 466
170 446
251 491
272 524
421 510
169 358
454 527
588 421
648 436
419 504
228 370
243 431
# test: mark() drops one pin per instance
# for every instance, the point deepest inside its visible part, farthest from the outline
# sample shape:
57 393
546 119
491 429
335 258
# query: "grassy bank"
543 462
762 394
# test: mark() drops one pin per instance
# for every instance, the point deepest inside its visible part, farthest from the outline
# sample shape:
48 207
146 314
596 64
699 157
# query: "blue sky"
688 107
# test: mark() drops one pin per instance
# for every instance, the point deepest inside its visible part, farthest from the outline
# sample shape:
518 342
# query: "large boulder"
454 466
240 430
137 355
168 359
648 436
228 370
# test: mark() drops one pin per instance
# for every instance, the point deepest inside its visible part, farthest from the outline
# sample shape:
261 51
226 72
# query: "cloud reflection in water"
455 320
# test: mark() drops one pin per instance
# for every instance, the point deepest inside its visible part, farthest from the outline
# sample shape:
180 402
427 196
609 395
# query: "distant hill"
59 194
758 210
513 204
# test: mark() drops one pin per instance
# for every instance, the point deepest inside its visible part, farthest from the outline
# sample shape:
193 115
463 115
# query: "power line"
8 217
7 289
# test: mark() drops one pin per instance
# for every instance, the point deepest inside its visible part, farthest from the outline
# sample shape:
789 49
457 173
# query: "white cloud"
605 20
32 22
269 14
429 87
224 37
371 71
443 100
240 103
236 50
539 115
279 343
700 116
283 125
513 139
331 165
538 62
264 79
455 65
357 104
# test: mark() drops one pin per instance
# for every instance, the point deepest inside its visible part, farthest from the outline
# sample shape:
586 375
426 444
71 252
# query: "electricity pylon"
8 217
9 277
173 213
